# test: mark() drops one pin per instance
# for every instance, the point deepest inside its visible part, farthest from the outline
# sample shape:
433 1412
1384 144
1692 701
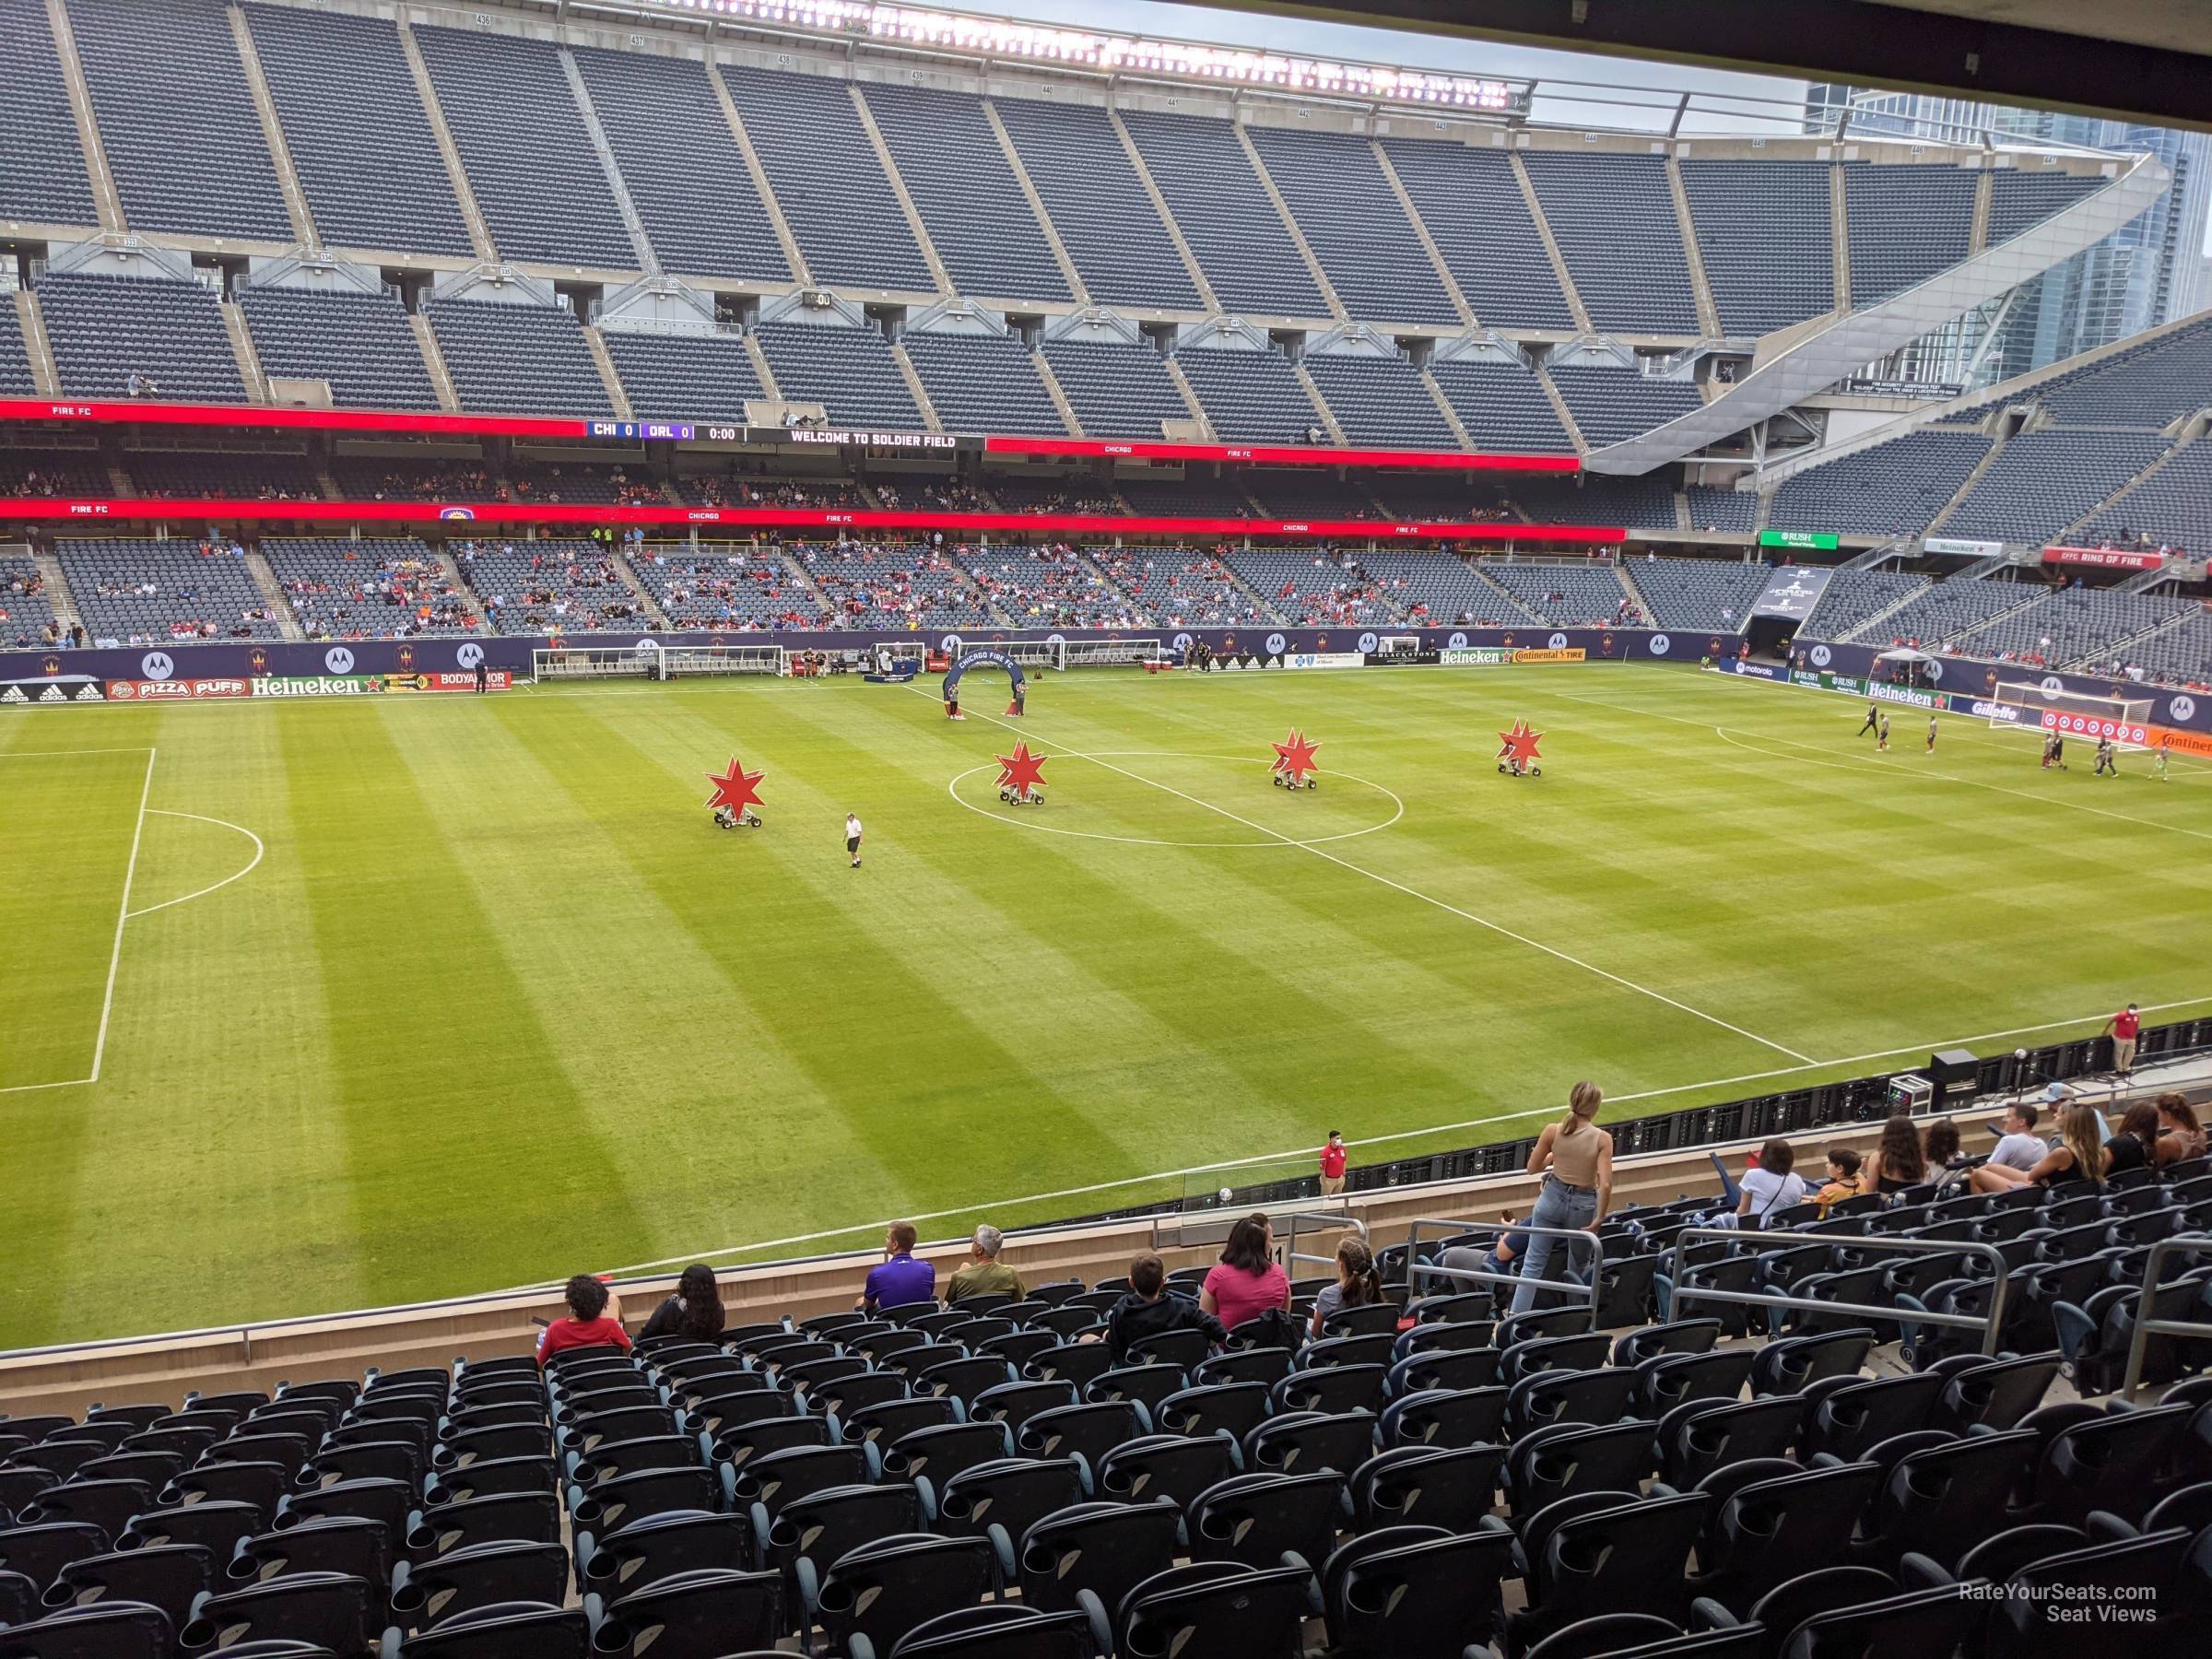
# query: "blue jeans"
1558 1205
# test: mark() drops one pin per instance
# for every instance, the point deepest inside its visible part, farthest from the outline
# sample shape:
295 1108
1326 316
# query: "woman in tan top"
1575 1157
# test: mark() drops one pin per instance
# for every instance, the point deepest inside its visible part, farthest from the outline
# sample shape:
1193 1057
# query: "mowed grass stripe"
676 1057
468 1147
218 1044
1138 968
80 812
841 971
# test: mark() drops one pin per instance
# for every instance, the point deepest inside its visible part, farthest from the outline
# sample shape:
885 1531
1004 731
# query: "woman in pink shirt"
1248 1282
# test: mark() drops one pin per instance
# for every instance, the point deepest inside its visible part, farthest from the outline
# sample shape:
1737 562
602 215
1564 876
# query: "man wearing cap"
2124 1027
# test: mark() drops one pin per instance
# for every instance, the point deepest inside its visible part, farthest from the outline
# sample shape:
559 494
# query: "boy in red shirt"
594 1321
2123 1026
1332 1165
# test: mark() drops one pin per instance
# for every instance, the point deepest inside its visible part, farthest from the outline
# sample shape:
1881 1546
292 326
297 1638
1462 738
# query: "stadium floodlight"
1113 54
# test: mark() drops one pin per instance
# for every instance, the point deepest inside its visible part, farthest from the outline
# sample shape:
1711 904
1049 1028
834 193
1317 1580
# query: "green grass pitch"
498 1003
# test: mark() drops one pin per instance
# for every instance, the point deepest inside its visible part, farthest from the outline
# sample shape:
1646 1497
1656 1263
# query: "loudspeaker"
1956 1074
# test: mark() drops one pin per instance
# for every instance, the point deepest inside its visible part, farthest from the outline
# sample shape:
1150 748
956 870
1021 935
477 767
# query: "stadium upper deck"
926 240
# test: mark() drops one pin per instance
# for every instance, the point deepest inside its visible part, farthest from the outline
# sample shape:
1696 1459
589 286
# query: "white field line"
1937 777
251 866
57 753
1346 864
1227 1165
122 914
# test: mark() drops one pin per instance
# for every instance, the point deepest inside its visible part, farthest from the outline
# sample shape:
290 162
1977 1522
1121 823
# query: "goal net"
684 660
2028 705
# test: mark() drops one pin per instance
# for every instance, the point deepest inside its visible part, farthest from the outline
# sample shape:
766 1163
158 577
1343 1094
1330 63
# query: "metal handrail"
1987 1324
1417 1269
1318 1221
2139 1342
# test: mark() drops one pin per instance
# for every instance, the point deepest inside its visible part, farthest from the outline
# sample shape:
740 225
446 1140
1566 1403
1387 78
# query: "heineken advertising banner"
1793 592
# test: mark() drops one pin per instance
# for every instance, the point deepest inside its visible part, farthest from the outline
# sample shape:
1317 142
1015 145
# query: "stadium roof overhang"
2143 59
1832 353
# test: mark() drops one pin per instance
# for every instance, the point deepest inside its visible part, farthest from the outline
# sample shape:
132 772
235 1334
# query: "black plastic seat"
1231 1409
104 1630
2106 1464
1176 1465
387 1502
168 1576
40 1552
823 1526
660 1546
1606 1552
884 1589
1255 1518
476 1576
1764 1531
1942 1500
1100 1550
1564 1458
511 1630
518 1517
1417 1592
702 1613
1221 1609
1846 1421
326 1544
937 1454
1296 1442
1088 1432
1450 1487
1602 1395
1002 1630
334 1610
1002 1500
1793 1363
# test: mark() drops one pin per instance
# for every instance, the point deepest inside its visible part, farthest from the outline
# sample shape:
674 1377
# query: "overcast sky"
1450 53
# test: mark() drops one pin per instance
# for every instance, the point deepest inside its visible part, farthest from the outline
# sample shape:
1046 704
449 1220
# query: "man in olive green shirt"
986 1275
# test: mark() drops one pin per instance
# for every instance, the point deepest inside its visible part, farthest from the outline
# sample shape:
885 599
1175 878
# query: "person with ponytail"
1358 1285
1575 1157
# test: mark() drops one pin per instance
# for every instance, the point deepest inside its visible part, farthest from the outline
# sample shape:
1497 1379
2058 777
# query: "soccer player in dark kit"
1873 723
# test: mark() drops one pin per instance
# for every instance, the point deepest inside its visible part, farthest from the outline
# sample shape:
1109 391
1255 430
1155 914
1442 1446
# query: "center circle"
1029 820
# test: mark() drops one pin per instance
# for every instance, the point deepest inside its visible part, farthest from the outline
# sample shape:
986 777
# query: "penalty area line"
1226 1166
1499 928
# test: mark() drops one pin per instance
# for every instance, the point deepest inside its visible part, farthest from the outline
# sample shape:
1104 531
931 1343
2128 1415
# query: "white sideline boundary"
1226 1165
1346 864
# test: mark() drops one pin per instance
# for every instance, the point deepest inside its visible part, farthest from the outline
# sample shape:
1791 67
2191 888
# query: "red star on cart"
736 789
1021 771
1517 750
1294 758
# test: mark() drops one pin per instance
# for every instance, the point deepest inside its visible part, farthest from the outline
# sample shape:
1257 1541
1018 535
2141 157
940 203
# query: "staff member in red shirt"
594 1321
2123 1026
1332 1165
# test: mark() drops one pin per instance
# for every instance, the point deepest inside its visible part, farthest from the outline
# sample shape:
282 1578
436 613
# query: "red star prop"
735 789
1295 756
1020 770
1520 744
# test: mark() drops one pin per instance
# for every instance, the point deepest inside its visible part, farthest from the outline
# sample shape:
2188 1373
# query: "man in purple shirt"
901 1278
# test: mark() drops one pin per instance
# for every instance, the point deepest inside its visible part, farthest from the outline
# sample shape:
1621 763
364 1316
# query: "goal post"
687 661
2033 705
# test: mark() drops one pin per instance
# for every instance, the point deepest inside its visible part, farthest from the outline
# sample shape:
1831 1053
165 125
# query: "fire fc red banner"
2110 558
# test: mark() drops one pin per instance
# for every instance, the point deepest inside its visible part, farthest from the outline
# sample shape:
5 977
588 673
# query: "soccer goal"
1398 644
679 661
2026 705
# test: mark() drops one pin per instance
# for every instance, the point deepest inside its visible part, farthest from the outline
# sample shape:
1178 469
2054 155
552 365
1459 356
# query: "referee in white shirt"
853 837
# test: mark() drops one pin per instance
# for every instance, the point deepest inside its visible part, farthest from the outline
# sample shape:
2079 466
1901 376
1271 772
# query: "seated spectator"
2079 1156
2180 1135
595 1319
1940 1144
2134 1147
1359 1285
901 1278
695 1311
1897 1162
986 1275
2018 1146
1149 1311
1842 1177
1248 1281
1772 1188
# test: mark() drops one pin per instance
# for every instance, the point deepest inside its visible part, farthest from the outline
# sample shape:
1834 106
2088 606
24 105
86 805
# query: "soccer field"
310 1006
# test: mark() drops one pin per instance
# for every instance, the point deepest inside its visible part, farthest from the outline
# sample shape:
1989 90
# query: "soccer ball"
1225 1195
